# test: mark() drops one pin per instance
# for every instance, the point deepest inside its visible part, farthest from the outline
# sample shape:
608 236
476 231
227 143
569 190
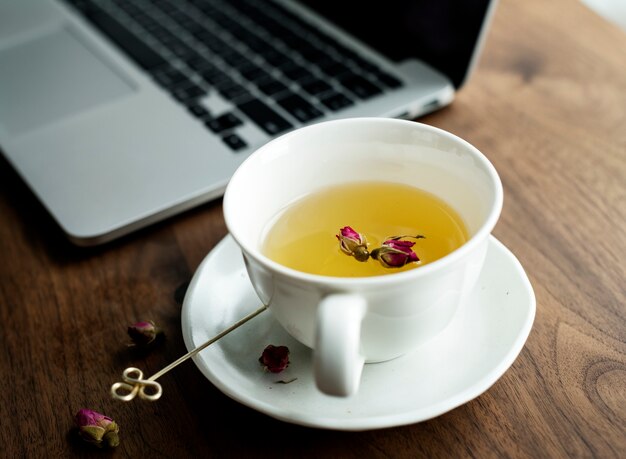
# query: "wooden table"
548 107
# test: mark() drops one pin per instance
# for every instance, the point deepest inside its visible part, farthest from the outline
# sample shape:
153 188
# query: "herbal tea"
363 229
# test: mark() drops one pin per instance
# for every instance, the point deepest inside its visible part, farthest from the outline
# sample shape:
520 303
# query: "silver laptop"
120 113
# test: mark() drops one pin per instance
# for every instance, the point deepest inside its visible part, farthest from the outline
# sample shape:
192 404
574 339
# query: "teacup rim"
476 239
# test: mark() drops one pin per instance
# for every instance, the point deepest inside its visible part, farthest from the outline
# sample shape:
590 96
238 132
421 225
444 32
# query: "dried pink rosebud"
353 243
144 333
395 253
275 358
97 429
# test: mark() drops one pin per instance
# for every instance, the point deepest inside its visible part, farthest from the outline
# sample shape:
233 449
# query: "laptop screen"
442 33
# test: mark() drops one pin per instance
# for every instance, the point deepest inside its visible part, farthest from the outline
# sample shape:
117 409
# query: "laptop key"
165 37
234 91
235 142
209 40
295 72
365 64
316 86
254 73
359 86
224 82
301 109
336 101
183 51
261 47
213 75
271 87
169 77
235 59
198 111
187 93
275 58
312 54
199 63
223 122
334 68
265 117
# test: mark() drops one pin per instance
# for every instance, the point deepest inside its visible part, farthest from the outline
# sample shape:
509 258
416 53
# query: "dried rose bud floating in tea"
304 235
396 253
353 243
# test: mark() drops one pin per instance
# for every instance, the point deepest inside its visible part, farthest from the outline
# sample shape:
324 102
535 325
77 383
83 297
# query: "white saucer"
452 369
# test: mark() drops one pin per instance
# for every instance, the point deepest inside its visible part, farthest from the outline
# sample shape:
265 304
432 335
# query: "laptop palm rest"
50 78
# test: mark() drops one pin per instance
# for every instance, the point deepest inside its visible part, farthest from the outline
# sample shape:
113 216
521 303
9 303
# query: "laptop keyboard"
231 62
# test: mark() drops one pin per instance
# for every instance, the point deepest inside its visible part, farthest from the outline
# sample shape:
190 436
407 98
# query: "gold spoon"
134 384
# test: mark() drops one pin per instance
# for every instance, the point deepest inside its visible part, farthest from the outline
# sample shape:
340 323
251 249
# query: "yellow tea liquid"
302 237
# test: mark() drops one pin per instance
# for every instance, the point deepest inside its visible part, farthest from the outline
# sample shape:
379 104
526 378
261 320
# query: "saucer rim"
361 423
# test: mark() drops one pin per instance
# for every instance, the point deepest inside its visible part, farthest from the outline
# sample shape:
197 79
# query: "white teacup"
349 321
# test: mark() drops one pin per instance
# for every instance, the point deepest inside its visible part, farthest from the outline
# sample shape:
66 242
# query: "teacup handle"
338 362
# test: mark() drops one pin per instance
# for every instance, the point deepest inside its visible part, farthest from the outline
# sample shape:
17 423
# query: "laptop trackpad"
52 77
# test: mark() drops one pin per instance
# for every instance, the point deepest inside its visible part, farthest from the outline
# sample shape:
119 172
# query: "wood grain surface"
547 105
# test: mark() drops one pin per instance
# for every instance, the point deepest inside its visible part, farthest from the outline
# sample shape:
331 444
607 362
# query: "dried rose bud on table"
144 333
97 429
